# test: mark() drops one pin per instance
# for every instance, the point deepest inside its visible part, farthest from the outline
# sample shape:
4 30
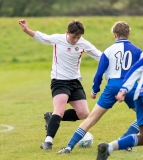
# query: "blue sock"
77 136
128 141
133 129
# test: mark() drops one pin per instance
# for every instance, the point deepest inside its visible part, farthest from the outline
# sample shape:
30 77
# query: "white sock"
68 148
113 146
110 148
49 139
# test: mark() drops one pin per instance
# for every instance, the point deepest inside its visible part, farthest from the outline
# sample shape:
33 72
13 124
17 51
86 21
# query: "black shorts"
73 88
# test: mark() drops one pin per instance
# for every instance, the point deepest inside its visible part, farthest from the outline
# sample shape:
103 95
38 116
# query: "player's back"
121 56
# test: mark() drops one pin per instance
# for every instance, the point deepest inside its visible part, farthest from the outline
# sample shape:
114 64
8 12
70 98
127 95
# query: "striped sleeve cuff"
124 89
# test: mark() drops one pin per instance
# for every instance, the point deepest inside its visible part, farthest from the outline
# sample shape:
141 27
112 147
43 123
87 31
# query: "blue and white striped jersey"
134 74
115 62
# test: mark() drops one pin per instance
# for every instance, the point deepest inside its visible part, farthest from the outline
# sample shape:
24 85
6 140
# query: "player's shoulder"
84 42
58 35
136 47
110 48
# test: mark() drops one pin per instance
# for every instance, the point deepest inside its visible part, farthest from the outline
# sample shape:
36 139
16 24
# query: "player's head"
74 31
121 30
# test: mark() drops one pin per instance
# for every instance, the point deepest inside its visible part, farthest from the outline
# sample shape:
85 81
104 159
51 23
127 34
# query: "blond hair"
121 28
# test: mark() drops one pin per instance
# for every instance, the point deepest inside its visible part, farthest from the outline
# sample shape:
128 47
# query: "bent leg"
80 111
70 115
81 108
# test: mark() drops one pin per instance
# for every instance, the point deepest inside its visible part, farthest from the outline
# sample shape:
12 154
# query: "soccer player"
115 61
65 84
134 74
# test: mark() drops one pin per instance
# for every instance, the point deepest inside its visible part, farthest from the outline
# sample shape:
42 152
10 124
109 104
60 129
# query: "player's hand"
120 96
93 96
23 24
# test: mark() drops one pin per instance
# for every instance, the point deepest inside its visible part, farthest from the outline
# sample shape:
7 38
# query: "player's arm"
25 28
121 95
91 50
95 53
131 77
141 56
39 36
102 66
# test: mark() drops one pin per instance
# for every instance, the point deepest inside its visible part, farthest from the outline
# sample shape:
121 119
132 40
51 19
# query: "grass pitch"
25 94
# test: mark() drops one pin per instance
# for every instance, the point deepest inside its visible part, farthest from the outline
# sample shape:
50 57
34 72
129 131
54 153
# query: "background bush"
38 8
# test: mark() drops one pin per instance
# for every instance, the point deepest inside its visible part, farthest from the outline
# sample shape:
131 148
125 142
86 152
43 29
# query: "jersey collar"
122 40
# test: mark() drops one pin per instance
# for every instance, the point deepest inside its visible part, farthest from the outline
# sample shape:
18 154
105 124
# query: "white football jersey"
67 57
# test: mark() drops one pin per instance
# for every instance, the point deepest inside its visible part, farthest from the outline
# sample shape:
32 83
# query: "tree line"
40 8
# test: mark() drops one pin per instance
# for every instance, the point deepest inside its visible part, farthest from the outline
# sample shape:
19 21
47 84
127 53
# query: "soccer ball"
86 141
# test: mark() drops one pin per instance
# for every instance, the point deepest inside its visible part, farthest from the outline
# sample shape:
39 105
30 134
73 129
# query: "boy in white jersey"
115 61
65 75
134 74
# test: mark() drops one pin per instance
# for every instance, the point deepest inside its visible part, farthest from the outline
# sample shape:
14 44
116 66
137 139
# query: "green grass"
16 46
24 98
25 94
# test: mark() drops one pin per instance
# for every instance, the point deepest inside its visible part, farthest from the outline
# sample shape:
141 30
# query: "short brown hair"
75 27
121 28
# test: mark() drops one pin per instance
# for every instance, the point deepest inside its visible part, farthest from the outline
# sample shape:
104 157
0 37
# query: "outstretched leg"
92 119
133 129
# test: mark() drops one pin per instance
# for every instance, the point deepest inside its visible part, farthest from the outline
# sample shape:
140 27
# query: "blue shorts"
139 110
107 98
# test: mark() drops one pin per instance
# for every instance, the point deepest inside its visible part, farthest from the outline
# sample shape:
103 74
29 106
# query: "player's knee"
83 115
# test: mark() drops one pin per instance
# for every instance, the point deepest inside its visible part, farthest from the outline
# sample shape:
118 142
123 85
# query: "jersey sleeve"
91 50
102 66
46 39
141 55
133 75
